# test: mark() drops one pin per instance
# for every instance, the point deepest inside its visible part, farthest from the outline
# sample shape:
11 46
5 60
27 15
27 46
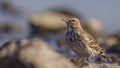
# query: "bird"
81 42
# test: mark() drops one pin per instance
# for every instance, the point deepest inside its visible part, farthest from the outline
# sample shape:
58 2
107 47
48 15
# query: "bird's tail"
106 56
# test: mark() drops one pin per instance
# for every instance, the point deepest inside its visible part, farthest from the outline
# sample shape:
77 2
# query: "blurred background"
42 18
107 12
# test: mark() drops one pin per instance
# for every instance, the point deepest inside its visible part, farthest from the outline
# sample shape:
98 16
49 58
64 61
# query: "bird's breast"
74 42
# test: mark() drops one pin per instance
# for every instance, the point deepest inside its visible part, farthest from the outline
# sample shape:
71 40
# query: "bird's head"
72 22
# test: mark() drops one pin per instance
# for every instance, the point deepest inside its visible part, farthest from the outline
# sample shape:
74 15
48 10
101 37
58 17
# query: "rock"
31 54
115 59
6 6
51 21
114 49
111 41
10 28
114 43
35 53
48 21
80 64
117 34
103 65
94 27
9 56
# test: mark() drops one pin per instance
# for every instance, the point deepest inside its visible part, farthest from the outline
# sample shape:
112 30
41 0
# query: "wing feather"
90 41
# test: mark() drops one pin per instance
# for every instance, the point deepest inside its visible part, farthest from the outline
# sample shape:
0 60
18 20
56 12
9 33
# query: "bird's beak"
65 20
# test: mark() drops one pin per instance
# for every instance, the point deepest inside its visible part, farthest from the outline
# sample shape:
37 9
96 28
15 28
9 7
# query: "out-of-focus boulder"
114 43
49 21
7 6
94 27
114 49
31 54
111 41
80 64
9 54
103 65
10 28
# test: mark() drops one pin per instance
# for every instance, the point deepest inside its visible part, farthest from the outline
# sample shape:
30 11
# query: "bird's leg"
78 62
83 60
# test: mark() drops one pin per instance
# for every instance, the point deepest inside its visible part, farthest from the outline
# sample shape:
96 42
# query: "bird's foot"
78 62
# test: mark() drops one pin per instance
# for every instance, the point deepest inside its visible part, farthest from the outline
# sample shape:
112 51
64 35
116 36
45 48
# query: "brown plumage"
81 42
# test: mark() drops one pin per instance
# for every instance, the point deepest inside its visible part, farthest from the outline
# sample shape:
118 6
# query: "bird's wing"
90 41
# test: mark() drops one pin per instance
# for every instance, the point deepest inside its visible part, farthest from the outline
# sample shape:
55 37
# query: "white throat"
70 28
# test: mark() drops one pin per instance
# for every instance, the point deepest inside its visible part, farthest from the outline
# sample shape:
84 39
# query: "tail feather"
106 57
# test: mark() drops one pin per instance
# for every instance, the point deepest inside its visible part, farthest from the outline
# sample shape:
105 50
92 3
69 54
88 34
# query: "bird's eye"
73 20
